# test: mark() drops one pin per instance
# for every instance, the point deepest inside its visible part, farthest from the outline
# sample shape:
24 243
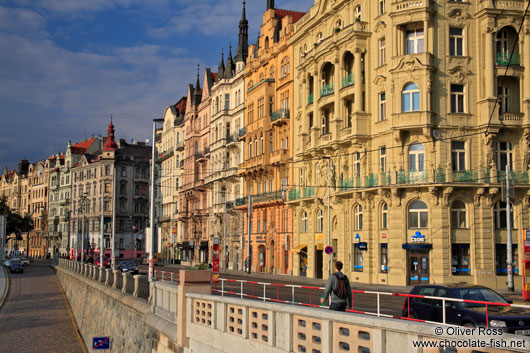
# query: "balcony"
268 80
279 157
404 6
511 118
516 177
180 146
167 154
241 201
242 132
503 5
409 120
310 99
280 117
326 90
410 177
503 59
302 193
269 197
348 80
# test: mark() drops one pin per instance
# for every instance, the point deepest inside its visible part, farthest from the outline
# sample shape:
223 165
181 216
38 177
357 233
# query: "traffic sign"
328 250
101 343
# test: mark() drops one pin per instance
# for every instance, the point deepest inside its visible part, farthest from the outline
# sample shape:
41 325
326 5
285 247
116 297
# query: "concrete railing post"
115 283
95 272
136 290
107 276
84 269
101 274
124 282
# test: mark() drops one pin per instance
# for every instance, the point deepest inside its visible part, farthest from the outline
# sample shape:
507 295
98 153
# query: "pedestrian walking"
338 289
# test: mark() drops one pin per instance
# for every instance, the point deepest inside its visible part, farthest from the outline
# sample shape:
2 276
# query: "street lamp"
152 203
329 213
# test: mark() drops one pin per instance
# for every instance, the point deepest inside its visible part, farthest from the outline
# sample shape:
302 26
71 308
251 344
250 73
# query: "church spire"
198 84
197 95
230 66
110 144
242 47
221 67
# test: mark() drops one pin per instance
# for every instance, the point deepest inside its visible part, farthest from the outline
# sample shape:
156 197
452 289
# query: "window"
382 51
500 214
358 13
410 98
500 260
415 39
460 259
325 123
381 7
382 159
123 172
357 258
504 99
320 221
357 164
250 148
382 106
123 188
285 66
504 155
456 41
358 218
418 215
271 143
261 143
255 146
457 98
384 258
458 215
384 216
261 107
227 101
304 222
417 158
458 153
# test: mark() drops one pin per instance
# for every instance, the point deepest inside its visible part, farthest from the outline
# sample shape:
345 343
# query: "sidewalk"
3 285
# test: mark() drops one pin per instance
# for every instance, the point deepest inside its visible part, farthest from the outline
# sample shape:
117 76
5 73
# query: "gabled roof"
81 147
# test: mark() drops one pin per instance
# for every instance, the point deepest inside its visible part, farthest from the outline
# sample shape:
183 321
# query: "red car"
106 261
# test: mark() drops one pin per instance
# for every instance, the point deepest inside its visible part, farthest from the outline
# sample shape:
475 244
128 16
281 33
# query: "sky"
66 66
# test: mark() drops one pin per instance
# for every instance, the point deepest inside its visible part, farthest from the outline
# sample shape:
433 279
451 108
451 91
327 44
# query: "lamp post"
152 201
329 213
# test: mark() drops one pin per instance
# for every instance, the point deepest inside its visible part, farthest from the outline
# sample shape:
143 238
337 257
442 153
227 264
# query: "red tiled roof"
81 147
181 105
295 14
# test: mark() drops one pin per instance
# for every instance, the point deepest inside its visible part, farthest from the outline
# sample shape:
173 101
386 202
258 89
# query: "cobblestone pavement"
35 317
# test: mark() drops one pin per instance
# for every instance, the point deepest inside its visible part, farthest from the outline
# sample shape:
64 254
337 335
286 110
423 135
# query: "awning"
299 247
184 245
417 246
204 244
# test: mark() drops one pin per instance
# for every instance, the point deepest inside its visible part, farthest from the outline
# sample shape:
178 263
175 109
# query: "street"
35 316
389 305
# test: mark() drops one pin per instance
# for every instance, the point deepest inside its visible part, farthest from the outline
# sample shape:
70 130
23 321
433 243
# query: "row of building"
67 195
380 128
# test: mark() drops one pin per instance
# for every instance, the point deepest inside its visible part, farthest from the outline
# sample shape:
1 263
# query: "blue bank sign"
417 238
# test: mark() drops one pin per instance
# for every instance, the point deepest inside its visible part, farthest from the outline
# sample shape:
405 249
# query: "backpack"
341 290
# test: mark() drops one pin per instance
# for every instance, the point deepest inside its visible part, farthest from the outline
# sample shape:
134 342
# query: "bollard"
136 290
107 276
101 274
95 272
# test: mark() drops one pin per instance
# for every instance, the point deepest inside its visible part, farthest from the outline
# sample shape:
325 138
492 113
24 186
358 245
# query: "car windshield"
127 264
480 294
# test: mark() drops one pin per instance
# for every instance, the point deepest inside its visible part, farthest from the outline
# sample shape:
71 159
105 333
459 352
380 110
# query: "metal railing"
310 99
326 90
280 114
503 59
348 80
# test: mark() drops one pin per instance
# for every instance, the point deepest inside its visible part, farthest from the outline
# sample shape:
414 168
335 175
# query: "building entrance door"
318 263
418 267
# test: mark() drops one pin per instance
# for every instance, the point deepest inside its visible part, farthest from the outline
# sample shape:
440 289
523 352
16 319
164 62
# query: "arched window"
418 215
339 23
500 214
320 221
266 42
319 37
285 66
358 13
417 157
358 219
261 143
458 215
410 98
255 146
271 143
303 225
384 216
196 148
250 148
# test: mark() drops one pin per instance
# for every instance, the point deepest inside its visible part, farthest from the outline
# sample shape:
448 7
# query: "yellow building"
268 141
402 96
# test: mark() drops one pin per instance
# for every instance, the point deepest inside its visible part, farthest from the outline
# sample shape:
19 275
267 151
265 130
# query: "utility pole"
224 231
102 238
152 202
77 229
329 216
68 213
509 256
249 258
113 235
83 231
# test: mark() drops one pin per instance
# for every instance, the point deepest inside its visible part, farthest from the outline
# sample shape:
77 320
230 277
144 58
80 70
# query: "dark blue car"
16 267
509 319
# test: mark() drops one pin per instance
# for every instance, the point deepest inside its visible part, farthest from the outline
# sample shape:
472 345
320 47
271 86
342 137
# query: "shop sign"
383 235
363 246
417 238
357 238
215 241
319 236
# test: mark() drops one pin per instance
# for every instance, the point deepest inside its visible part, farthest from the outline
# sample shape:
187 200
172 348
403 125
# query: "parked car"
128 266
509 319
7 263
106 261
16 267
24 261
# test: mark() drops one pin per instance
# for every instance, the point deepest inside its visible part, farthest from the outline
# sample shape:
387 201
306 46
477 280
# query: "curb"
4 295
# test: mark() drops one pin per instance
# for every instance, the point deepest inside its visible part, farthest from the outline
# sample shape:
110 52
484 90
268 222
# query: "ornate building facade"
268 141
420 109
38 175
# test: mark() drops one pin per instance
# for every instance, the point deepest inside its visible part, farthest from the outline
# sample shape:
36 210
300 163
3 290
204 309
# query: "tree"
15 223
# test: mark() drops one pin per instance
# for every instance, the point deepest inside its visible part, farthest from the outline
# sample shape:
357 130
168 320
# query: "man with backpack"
338 287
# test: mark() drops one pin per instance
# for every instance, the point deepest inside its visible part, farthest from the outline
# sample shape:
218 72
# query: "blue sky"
66 65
